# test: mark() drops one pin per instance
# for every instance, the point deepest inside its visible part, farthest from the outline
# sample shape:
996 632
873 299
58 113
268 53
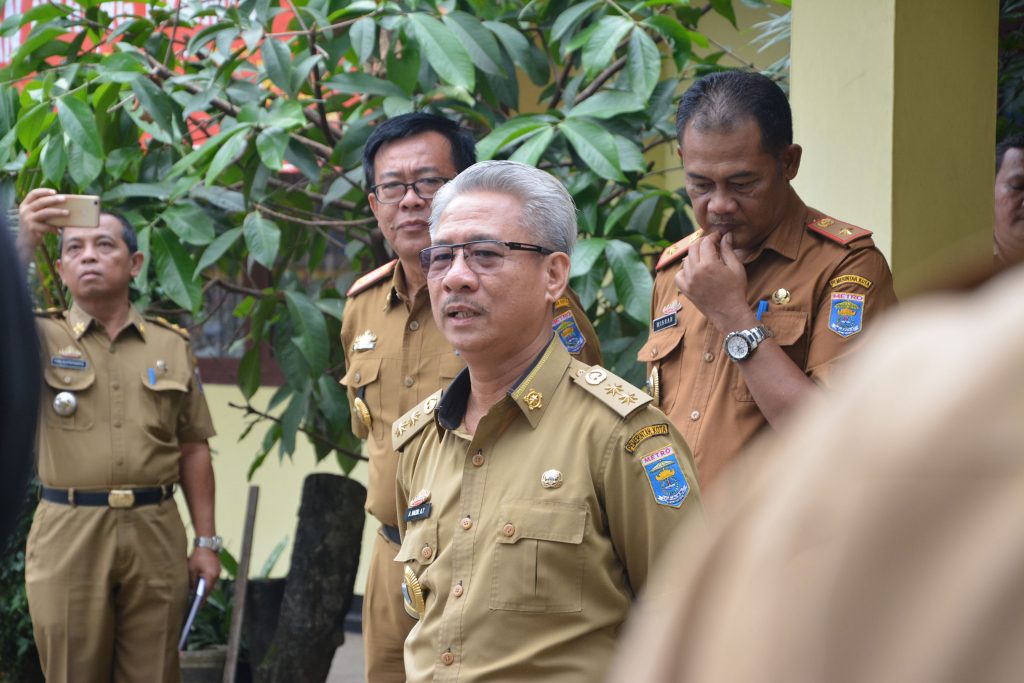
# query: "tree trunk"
318 592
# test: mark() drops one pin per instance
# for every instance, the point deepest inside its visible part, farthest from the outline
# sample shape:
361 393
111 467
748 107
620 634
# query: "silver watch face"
737 347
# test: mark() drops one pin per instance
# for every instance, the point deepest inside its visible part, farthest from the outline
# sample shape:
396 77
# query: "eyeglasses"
484 257
392 193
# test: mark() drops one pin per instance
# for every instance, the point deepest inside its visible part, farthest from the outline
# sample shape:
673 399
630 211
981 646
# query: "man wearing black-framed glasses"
395 356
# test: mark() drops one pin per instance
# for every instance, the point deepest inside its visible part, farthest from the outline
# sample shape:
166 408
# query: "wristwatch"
214 543
740 345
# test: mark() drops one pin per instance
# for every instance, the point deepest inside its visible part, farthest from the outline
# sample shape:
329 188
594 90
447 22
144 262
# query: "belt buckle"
121 498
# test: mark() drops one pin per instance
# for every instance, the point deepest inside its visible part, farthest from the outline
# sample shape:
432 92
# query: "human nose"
721 203
410 198
459 273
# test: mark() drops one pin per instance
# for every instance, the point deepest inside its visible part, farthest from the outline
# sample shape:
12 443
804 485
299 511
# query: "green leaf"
120 67
83 165
161 191
291 419
404 70
249 375
277 60
217 248
595 145
531 151
443 50
331 399
232 148
585 255
632 280
77 121
600 48
312 337
174 270
332 307
568 19
285 114
263 238
724 7
631 157
482 47
303 158
364 38
607 103
363 84
54 159
672 30
205 35
32 122
301 72
142 279
190 223
525 55
271 144
508 132
643 63
338 189
156 103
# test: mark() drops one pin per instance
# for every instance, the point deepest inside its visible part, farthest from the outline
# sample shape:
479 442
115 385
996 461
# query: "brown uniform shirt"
396 357
524 581
137 398
830 292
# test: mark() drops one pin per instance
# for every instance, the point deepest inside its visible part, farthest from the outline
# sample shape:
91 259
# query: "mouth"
460 311
413 225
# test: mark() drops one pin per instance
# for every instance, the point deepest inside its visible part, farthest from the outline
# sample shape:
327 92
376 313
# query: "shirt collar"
81 321
785 239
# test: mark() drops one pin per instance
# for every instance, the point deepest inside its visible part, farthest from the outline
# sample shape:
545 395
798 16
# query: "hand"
714 279
203 562
39 206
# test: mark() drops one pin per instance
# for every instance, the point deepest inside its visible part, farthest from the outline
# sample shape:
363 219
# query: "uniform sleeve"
194 421
858 290
650 490
348 333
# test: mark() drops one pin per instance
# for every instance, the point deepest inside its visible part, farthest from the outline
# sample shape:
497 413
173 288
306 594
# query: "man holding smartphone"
122 420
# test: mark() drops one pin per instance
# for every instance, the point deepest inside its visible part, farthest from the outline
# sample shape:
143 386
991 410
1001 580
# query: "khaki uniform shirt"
821 295
137 398
395 357
529 539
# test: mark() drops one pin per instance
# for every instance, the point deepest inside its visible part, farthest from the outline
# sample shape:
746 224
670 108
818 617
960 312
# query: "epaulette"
678 250
364 282
611 390
164 322
837 231
54 312
413 422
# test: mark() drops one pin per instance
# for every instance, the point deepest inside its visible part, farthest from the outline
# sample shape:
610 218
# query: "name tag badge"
68 363
421 511
665 321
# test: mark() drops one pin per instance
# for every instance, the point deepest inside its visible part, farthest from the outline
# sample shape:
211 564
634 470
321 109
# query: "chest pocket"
363 381
162 400
539 559
419 544
450 366
789 330
661 343
78 383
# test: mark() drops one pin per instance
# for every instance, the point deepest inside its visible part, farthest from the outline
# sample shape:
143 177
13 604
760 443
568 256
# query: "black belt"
115 498
391 533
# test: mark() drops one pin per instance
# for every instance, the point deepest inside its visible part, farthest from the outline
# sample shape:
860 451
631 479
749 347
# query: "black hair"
723 99
1014 141
131 239
407 125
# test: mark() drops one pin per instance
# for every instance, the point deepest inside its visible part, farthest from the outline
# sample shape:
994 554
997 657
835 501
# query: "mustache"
461 301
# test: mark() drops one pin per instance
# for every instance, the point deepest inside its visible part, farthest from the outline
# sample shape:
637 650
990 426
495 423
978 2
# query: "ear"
556 271
791 161
136 259
373 204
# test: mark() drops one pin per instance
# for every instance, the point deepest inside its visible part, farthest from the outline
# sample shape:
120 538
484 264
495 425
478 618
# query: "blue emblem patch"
846 314
666 477
568 332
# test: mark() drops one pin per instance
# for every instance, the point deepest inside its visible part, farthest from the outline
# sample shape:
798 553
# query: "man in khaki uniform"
1009 200
538 490
396 357
122 420
877 537
761 303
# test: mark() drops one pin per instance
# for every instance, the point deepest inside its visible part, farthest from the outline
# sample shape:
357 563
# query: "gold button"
708 357
447 659
409 381
457 591
695 415
427 552
115 386
67 380
359 376
117 424
478 459
508 530
414 325
466 523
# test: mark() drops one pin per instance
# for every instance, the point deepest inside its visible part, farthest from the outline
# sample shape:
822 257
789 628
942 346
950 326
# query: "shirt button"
508 530
359 376
409 381
427 552
478 459
115 386
466 523
708 357
447 659
414 325
117 424
457 590
67 379
695 415
654 351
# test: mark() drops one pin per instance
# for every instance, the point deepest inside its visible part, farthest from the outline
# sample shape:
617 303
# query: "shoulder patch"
613 391
413 422
679 249
165 323
837 231
364 282
55 312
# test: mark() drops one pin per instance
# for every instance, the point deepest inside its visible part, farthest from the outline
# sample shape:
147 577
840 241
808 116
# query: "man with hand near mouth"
1009 201
394 354
758 306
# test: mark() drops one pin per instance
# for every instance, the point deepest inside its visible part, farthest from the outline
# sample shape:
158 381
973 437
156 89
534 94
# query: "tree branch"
319 438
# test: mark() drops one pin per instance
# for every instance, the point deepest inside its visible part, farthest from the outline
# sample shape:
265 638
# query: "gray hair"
548 211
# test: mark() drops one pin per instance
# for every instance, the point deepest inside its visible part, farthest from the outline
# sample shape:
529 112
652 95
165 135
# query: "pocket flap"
660 344
787 326
163 382
69 380
543 521
419 536
361 373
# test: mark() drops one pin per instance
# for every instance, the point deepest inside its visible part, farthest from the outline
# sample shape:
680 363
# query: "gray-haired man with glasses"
395 355
537 490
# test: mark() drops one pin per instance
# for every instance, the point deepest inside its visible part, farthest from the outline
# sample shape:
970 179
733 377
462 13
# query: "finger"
38 193
709 247
728 253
